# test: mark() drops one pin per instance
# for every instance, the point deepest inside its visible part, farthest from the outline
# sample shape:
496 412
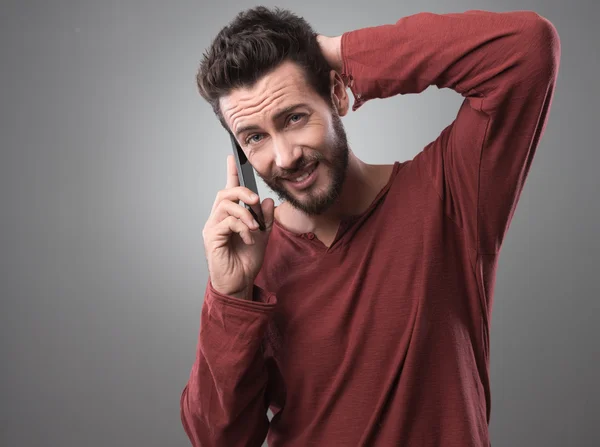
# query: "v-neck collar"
345 224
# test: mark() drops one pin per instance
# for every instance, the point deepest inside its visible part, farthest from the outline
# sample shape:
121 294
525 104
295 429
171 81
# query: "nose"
286 153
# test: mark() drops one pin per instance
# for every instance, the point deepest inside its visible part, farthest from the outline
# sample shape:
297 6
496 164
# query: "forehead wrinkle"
270 103
253 108
287 76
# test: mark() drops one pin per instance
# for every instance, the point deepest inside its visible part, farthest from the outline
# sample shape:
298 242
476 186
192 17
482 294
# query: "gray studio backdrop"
109 165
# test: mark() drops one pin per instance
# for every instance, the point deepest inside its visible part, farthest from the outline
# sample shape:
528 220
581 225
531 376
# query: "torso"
378 334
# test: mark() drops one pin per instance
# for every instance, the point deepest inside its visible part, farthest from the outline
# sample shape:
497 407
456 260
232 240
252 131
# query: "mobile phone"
247 179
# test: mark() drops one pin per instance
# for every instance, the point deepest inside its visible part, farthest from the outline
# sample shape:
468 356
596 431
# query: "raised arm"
504 64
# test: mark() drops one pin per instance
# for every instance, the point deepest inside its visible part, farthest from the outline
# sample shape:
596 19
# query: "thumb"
268 210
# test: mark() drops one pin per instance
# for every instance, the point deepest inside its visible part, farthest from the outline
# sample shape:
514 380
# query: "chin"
315 199
314 202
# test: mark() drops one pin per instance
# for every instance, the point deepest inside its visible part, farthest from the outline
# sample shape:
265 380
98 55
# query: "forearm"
223 403
479 54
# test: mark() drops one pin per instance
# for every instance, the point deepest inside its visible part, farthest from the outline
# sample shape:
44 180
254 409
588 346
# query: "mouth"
305 178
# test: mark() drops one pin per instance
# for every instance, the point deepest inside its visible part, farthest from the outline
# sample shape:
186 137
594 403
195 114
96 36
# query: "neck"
362 184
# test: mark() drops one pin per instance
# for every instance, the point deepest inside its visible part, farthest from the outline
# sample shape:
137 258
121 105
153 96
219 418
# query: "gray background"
109 165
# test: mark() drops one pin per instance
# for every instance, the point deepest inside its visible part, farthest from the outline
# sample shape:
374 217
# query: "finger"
268 210
233 225
232 174
227 208
235 195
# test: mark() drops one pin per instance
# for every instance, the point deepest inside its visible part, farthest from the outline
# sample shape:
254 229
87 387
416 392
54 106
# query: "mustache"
300 165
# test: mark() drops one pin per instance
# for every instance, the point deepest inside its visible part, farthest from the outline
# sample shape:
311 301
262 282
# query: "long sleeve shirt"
382 338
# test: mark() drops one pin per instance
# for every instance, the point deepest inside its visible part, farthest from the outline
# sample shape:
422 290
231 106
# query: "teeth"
303 176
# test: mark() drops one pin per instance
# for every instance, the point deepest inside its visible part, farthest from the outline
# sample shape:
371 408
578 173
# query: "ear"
339 95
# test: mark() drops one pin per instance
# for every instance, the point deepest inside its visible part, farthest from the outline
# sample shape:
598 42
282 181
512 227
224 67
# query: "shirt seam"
477 219
477 200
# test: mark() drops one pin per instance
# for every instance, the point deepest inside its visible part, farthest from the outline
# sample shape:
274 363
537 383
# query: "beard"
316 202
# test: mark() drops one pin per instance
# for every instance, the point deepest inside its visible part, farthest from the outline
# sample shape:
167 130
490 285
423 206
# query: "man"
361 316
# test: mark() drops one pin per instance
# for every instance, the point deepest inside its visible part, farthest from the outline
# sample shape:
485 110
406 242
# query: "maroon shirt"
382 339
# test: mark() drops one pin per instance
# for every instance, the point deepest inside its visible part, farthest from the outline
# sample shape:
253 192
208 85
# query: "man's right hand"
234 246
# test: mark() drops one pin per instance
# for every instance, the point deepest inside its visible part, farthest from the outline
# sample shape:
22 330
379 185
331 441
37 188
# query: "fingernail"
254 223
253 196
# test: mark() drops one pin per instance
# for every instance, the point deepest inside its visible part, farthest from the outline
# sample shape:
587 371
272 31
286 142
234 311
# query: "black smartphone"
247 179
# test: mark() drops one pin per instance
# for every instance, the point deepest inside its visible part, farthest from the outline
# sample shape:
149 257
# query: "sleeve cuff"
350 70
262 300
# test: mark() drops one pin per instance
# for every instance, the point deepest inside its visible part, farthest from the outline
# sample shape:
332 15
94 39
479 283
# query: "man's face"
293 138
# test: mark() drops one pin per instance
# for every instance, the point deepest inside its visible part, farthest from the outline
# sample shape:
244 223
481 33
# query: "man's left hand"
332 50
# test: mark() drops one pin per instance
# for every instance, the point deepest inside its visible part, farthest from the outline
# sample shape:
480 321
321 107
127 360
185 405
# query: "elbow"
542 44
193 420
186 414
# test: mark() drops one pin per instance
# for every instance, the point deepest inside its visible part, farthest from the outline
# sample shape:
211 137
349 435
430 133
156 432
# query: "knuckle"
241 226
225 206
231 221
220 206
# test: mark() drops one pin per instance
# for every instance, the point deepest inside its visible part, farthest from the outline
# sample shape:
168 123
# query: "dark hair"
255 43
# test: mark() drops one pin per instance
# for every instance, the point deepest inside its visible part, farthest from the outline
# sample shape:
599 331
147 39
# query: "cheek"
312 137
262 161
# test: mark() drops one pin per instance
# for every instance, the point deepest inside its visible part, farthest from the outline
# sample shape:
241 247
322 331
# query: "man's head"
271 87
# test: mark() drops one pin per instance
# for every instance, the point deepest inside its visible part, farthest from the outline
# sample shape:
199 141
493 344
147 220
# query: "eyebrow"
277 115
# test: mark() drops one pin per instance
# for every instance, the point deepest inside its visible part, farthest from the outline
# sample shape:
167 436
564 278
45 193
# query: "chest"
347 316
368 292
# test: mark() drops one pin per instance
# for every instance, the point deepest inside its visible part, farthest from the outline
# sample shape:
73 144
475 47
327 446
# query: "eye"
299 116
251 139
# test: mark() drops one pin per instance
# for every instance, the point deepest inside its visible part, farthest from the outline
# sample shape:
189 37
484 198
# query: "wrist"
331 47
246 294
243 294
336 43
